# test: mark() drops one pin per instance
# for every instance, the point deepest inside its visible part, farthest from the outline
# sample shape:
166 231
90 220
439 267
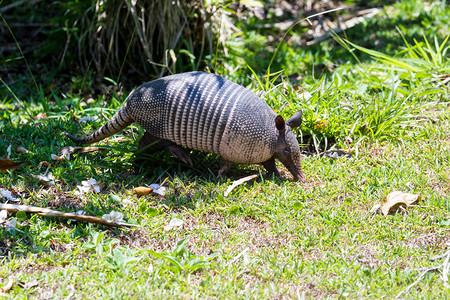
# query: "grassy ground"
269 238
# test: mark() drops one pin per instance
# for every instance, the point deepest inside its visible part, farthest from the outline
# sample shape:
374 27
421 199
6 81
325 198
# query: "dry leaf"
59 158
398 199
20 149
6 164
8 286
142 191
320 125
40 116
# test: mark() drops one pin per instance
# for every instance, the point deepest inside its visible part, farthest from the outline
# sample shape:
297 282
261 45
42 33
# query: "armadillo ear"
295 120
279 123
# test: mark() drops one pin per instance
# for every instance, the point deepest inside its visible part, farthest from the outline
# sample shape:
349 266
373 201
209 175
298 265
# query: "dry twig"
417 280
53 213
8 286
239 182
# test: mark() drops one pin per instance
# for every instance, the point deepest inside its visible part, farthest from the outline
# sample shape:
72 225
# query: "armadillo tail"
118 122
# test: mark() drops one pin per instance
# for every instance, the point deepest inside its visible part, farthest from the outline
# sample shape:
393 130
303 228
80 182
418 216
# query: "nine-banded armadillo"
209 113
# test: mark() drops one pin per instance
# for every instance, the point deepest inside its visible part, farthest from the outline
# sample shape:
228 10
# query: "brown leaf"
40 116
142 191
398 199
20 149
7 164
320 125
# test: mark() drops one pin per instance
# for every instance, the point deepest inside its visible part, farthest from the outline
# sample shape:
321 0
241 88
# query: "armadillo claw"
180 153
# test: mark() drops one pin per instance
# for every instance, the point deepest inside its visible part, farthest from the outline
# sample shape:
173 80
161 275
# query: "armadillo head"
287 148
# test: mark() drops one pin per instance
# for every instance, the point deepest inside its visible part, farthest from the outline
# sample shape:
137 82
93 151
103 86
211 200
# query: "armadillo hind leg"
225 166
151 144
271 167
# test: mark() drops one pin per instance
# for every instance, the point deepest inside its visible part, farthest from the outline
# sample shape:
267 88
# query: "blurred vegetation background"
74 45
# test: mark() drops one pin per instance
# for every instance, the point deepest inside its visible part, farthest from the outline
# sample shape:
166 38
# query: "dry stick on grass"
417 280
239 182
8 286
53 213
445 270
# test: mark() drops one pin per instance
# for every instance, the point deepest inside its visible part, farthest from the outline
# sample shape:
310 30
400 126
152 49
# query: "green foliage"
180 259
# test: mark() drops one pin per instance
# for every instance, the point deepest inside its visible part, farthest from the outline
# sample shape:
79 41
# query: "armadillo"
207 112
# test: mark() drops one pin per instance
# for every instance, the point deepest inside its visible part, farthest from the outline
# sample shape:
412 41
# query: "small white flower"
127 202
113 216
46 179
64 156
3 216
88 119
11 224
8 152
157 189
90 185
305 95
175 222
7 195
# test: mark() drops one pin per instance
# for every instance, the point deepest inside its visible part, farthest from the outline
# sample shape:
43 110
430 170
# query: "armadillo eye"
287 150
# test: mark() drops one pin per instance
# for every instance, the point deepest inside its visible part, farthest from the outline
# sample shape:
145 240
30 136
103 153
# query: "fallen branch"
53 213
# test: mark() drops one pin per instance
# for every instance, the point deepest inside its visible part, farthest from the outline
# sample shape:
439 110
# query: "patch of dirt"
216 229
290 290
4 248
33 268
367 255
429 241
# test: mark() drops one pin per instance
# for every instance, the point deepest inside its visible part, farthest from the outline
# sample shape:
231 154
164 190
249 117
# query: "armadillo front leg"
152 144
225 167
271 167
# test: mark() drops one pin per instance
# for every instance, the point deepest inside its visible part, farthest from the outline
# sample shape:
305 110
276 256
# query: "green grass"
269 238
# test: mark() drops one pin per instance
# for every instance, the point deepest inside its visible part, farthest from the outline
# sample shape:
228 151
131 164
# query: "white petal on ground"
3 216
88 119
92 184
46 179
8 152
87 186
7 195
64 156
11 224
127 202
113 216
157 189
175 222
